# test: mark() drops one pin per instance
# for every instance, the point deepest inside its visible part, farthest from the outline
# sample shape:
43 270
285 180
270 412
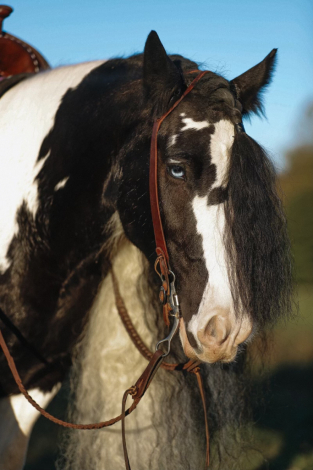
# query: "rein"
170 302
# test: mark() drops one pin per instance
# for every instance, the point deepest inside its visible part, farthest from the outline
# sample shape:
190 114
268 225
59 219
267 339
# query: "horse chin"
209 355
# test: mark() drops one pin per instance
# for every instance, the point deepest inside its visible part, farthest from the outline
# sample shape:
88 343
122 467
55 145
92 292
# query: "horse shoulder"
27 113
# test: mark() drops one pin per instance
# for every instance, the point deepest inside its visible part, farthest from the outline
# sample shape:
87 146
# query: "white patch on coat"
17 420
220 149
189 123
172 160
107 364
172 140
217 293
32 194
61 184
26 415
27 113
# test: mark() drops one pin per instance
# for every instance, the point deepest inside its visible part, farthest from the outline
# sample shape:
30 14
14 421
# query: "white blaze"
217 294
220 147
210 221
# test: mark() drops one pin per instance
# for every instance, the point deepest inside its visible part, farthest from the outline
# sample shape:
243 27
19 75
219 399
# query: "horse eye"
177 172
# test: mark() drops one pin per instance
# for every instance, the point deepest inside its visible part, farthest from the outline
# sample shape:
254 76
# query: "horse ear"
161 77
250 85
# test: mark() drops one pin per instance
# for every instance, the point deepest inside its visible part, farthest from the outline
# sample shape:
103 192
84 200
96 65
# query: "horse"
75 204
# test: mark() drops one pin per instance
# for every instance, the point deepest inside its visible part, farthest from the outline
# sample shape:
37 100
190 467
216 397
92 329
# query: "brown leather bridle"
167 293
170 303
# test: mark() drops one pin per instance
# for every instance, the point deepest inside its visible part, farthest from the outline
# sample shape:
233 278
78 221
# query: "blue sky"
228 36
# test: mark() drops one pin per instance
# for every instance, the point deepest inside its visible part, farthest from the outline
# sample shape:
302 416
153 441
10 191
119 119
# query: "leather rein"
170 302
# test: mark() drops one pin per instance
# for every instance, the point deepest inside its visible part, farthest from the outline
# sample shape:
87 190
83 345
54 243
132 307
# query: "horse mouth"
205 354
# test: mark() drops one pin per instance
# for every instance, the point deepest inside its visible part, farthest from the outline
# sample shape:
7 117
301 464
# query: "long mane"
256 236
257 245
227 388
182 424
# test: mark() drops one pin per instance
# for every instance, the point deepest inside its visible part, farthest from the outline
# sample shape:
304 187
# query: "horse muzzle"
217 341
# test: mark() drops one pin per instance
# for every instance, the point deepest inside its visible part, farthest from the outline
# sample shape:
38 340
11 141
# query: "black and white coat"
74 145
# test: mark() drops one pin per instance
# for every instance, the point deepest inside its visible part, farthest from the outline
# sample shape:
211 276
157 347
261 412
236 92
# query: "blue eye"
177 172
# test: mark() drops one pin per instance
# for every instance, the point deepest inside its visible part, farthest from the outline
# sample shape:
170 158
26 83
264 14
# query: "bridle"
170 303
168 294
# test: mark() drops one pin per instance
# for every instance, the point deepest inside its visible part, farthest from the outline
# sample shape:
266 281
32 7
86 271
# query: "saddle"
18 60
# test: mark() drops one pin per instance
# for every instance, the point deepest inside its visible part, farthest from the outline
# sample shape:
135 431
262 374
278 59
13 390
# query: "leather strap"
136 339
44 413
147 376
137 392
161 248
191 366
10 325
162 260
197 372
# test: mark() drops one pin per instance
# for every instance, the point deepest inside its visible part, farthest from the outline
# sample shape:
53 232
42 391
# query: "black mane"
256 237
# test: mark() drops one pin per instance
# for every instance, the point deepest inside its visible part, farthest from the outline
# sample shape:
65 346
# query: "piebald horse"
74 145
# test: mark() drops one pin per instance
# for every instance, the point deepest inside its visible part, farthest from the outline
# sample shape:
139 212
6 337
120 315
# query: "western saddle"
18 60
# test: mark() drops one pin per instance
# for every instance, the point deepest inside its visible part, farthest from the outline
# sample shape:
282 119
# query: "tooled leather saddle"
18 60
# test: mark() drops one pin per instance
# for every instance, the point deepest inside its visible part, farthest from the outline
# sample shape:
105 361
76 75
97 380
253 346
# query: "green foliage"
297 186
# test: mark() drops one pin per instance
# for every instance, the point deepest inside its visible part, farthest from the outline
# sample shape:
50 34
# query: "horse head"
223 223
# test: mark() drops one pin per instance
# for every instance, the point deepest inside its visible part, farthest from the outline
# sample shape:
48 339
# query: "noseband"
170 302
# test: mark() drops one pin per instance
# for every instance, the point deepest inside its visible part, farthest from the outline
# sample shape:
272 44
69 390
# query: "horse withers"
75 145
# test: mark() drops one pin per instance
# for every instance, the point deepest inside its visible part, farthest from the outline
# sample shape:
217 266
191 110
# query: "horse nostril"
216 331
210 329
